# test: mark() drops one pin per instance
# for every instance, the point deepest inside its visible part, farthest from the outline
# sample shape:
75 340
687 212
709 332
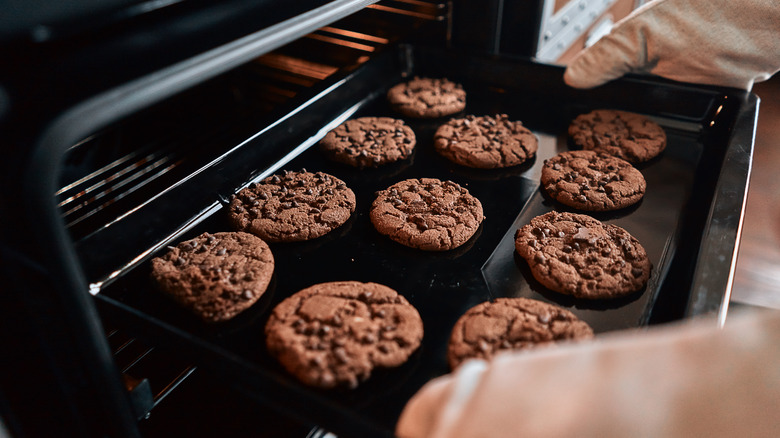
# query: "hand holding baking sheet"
683 380
717 42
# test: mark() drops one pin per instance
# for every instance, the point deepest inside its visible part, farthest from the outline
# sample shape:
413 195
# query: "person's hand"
684 380
730 43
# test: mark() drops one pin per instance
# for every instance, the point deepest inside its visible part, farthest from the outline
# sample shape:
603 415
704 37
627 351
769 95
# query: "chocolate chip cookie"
427 98
369 142
335 334
578 255
485 142
293 206
511 324
626 135
592 181
427 214
216 276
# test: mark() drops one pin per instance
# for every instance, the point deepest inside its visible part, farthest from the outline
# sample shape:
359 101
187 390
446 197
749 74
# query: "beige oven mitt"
682 380
730 43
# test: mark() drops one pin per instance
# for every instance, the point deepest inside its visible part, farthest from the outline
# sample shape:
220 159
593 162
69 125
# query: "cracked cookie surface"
592 181
511 324
369 141
626 135
215 276
293 206
427 98
485 142
577 255
427 214
335 334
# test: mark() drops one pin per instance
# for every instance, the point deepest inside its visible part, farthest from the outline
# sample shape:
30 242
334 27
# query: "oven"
126 129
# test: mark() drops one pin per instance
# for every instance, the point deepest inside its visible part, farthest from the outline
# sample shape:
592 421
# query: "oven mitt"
682 380
717 42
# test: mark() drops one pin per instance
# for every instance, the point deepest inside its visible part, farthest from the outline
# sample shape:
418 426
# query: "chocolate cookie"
511 324
216 276
292 207
626 135
427 98
592 181
578 255
369 141
485 142
427 214
335 334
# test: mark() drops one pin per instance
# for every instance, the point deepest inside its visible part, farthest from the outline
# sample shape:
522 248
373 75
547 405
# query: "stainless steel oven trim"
711 288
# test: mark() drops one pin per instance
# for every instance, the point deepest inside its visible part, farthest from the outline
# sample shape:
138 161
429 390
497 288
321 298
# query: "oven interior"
164 174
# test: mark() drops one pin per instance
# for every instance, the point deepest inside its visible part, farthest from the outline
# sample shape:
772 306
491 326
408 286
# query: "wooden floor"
757 277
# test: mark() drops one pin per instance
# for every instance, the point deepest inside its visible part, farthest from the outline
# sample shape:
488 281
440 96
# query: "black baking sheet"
441 285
